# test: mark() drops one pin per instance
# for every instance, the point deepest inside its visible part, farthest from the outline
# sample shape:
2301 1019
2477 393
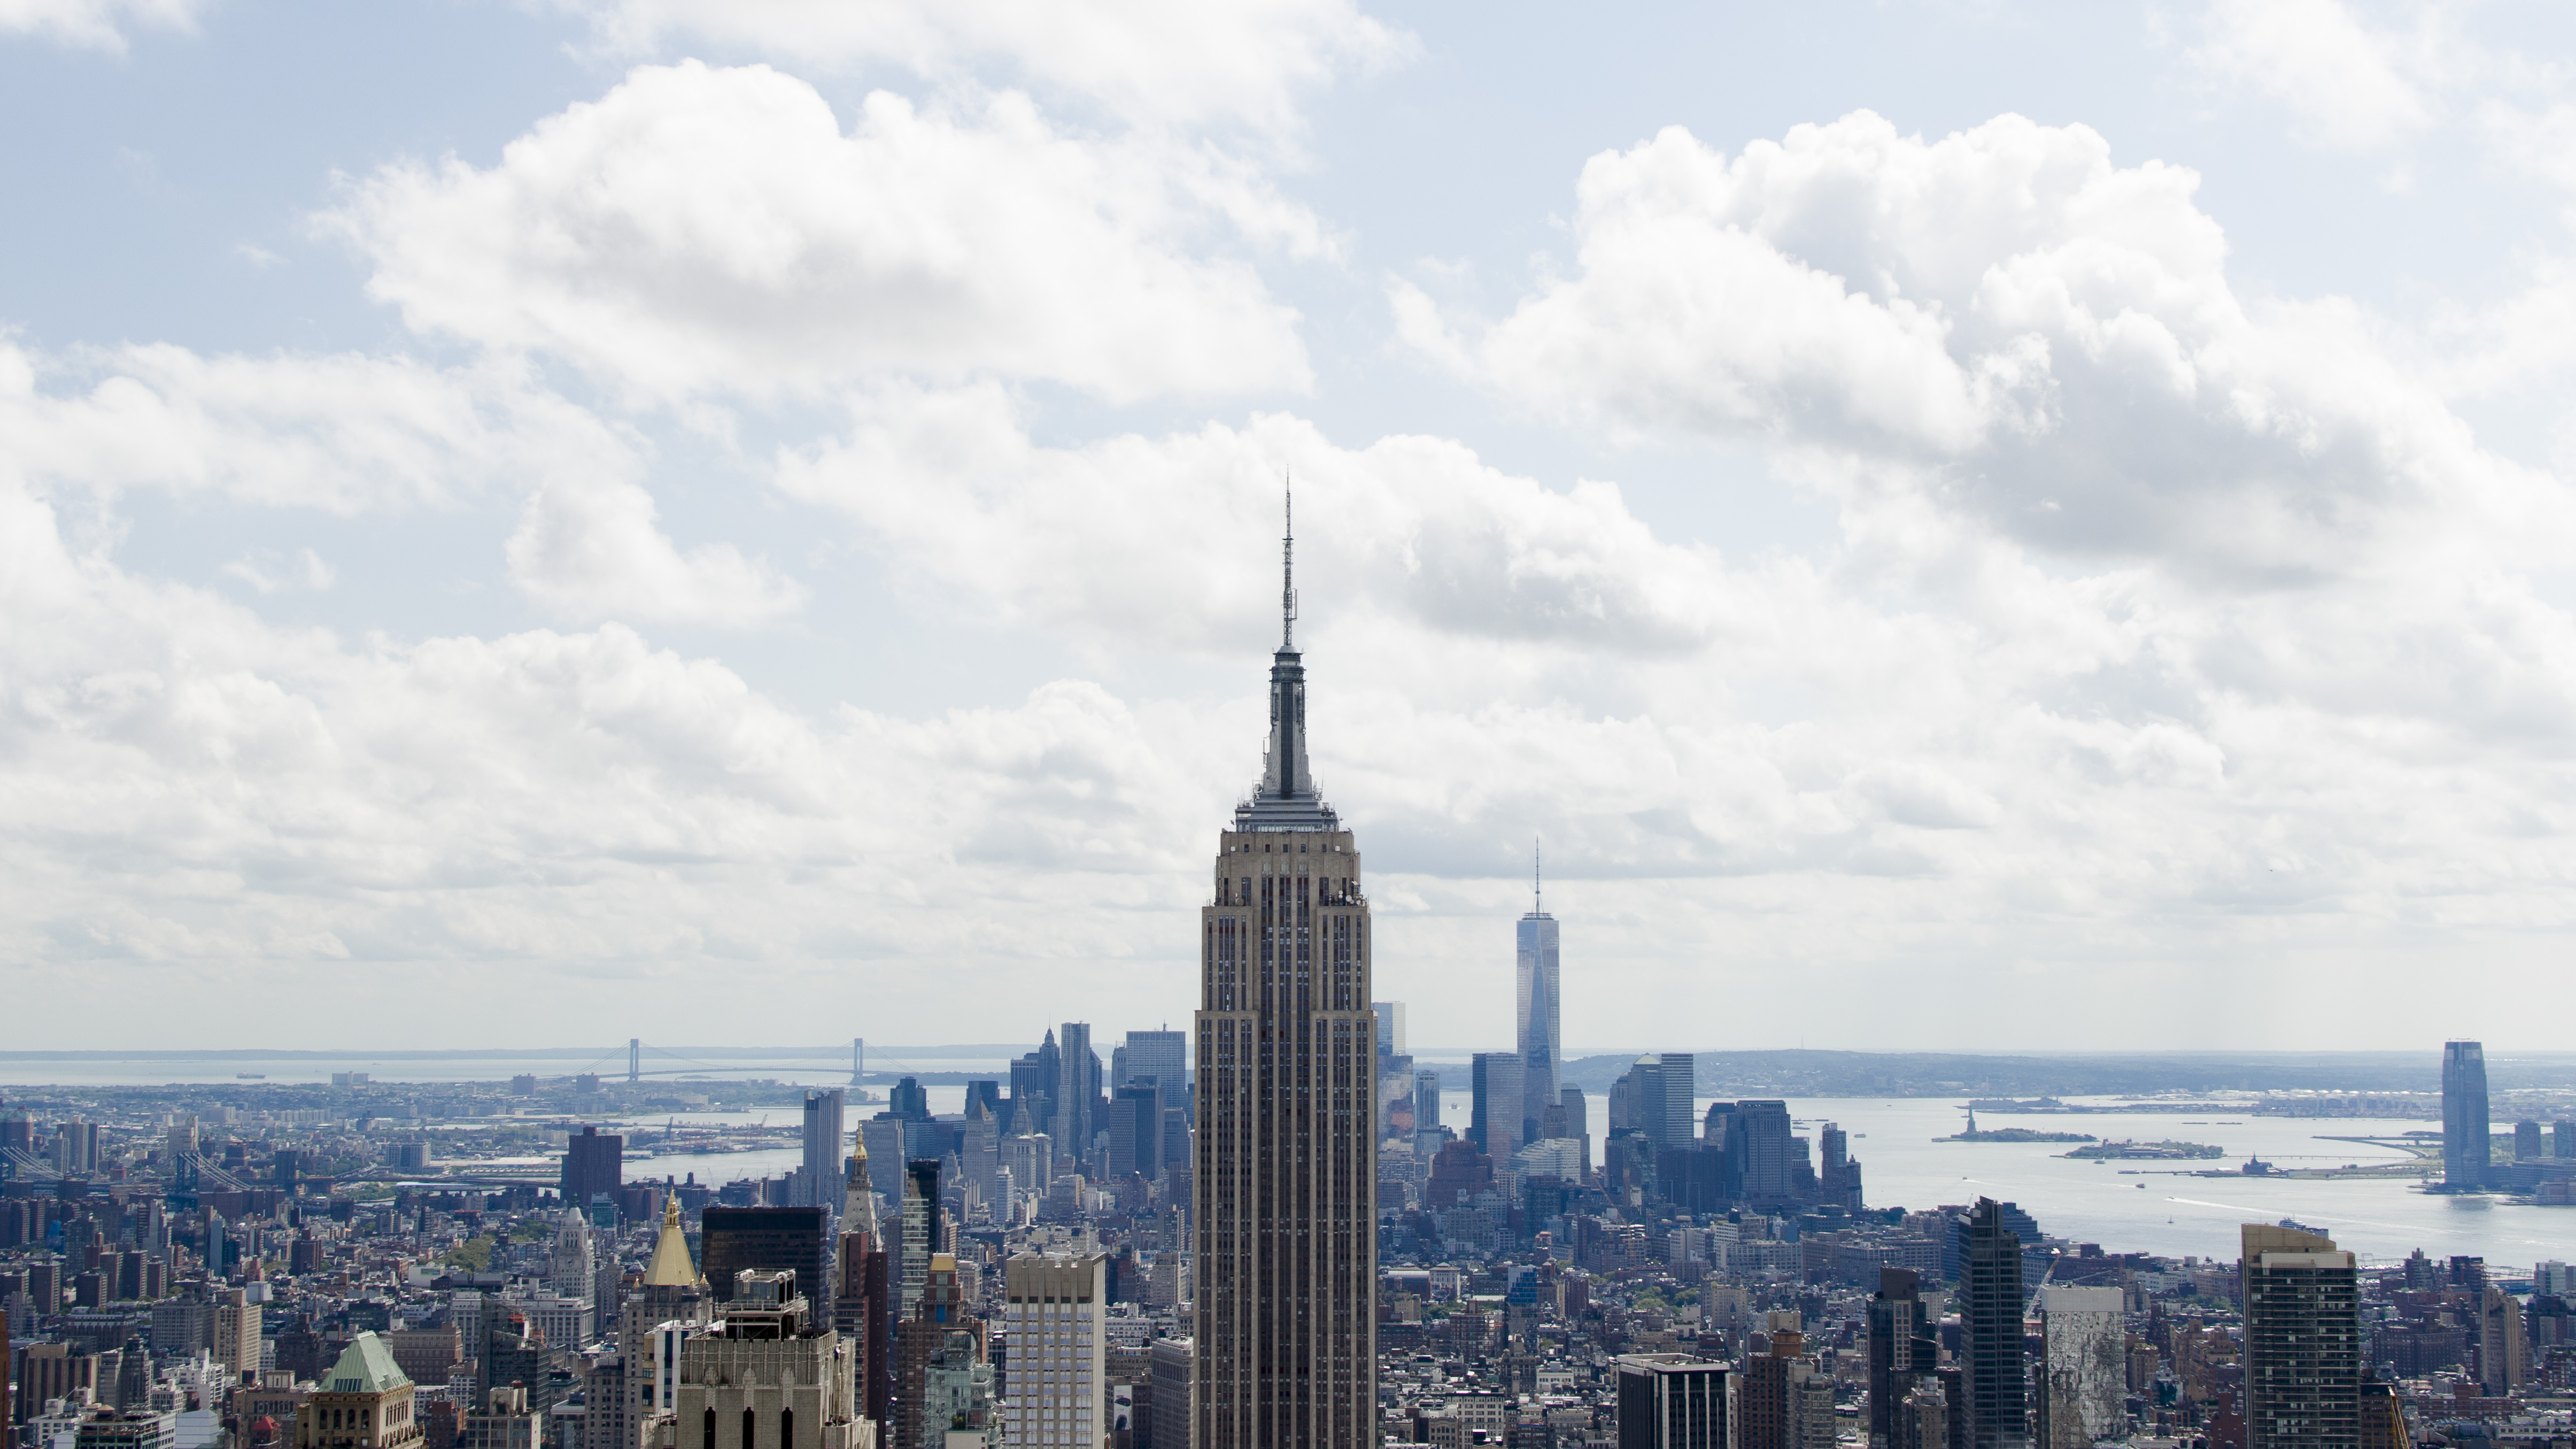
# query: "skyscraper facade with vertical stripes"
1285 1335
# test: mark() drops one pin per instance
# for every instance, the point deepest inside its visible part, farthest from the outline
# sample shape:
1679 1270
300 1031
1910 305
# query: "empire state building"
1286 1182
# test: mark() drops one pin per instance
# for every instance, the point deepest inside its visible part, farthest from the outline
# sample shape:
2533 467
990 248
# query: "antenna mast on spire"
1538 898
1287 566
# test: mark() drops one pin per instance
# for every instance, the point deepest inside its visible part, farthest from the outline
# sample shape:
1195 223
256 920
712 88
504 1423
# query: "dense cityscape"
1257 1231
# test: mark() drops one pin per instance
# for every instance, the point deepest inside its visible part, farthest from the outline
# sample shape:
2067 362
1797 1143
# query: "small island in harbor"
2147 1151
2010 1134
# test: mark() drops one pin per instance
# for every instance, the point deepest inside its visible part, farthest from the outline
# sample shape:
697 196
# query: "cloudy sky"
1961 525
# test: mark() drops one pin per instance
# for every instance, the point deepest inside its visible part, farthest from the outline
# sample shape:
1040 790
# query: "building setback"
1286 1179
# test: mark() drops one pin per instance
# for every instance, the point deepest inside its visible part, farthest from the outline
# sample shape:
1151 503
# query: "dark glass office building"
1990 1305
766 1240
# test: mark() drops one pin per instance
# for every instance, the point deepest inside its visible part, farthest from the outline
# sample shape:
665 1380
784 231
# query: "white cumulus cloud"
590 547
2003 326
705 230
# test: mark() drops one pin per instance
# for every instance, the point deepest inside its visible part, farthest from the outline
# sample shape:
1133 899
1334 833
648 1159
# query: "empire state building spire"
1286 798
1288 569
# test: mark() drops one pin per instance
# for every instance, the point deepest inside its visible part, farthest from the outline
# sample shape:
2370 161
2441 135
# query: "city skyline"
851 597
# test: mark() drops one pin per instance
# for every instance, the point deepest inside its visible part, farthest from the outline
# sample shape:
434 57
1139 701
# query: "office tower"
979 1145
503 1420
1990 1304
2562 1138
1838 1179
1786 1399
907 1101
1286 1184
2526 1141
365 1402
1494 1117
957 1400
1904 1346
1077 1083
1394 1068
2383 1418
1390 1027
766 1378
1175 1393
1758 1148
652 1318
2303 1341
918 1221
572 1272
1671 1401
732 1240
75 1147
1578 1123
2504 1350
236 1330
818 1180
924 1339
1165 1057
2084 1366
1675 1121
2466 1123
1540 1039
1033 1086
1136 1130
594 1163
863 1302
1059 1379
1426 1104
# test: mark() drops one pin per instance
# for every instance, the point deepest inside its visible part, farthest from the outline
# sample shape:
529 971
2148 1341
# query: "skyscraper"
765 1239
1286 1181
1055 1311
1904 1346
1077 1086
594 1163
862 1300
818 1181
1996 1393
1163 1056
918 1221
2303 1343
1676 1125
1671 1401
2466 1122
1535 977
1494 1111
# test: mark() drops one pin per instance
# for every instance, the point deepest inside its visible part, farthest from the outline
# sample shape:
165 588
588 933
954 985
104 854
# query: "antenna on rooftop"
1287 564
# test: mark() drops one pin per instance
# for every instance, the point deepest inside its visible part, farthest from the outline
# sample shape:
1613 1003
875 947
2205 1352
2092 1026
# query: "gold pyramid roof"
671 1267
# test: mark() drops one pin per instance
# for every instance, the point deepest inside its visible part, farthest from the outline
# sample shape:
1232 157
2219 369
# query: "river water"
2125 1207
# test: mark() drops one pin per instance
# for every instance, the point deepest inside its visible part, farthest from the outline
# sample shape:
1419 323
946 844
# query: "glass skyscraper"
2466 1119
1541 1036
